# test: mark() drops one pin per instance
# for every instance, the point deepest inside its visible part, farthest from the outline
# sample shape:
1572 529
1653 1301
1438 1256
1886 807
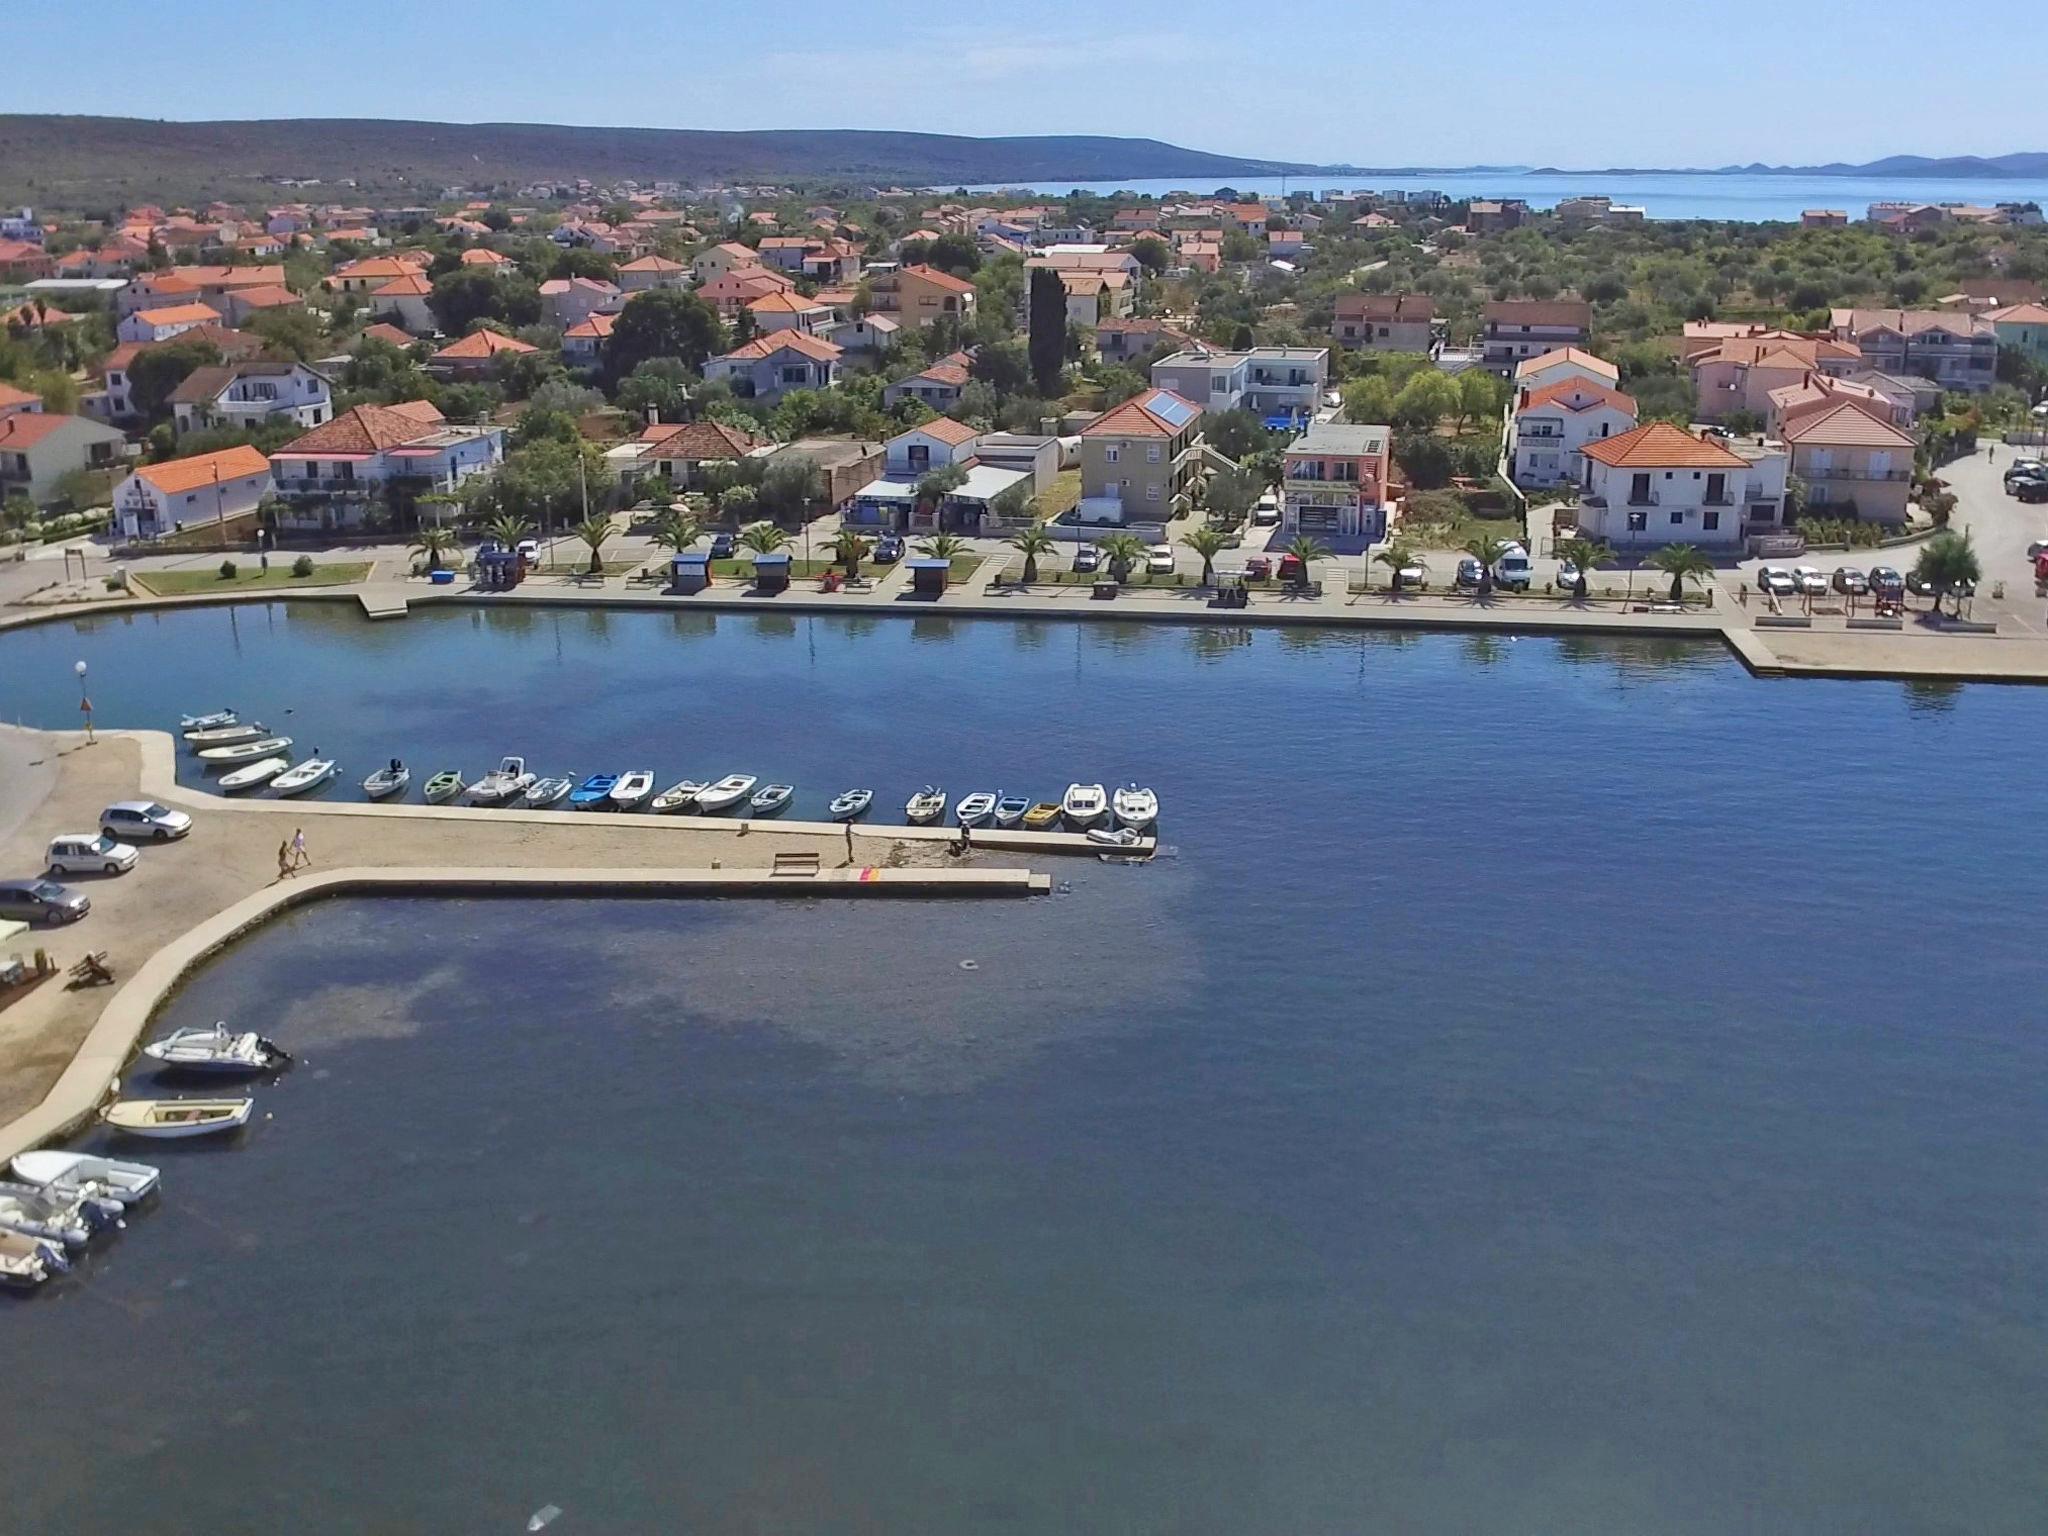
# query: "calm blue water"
1561 1085
1699 196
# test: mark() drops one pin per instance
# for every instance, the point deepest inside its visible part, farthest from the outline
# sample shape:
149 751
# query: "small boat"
1010 810
593 791
1135 807
171 1118
545 792
249 775
1042 817
210 722
1084 804
313 772
1116 837
976 808
772 799
26 1262
679 796
632 789
727 792
129 1183
218 1049
242 751
32 1215
851 805
445 785
69 1210
926 806
509 778
387 781
224 735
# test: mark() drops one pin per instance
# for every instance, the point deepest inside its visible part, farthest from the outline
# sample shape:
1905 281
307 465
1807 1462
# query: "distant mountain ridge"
2025 165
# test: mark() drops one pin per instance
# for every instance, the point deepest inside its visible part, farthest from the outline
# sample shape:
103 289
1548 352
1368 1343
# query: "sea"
1737 196
1547 1084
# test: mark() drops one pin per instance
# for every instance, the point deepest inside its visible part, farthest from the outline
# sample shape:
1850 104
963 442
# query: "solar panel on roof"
1170 410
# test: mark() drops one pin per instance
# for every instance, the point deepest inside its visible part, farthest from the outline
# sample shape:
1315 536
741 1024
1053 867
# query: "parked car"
1087 558
1920 586
1266 512
1258 568
529 550
1513 569
1159 560
2020 467
2037 549
888 549
723 546
1469 571
2030 488
42 901
1886 582
133 820
84 853
1777 581
1567 576
1849 581
1809 580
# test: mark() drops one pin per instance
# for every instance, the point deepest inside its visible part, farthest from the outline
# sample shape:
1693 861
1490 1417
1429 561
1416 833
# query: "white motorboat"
129 1183
61 1221
1011 808
387 781
217 1050
509 778
727 792
633 788
1116 837
926 806
545 792
310 774
976 808
249 775
67 1208
224 735
1084 804
169 1119
679 796
243 751
1135 807
771 800
26 1262
219 717
851 805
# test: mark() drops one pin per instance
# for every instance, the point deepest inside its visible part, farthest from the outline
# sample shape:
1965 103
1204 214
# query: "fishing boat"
314 771
545 792
1116 837
167 1119
387 781
1084 804
771 799
509 778
61 1221
1010 809
26 1262
926 806
249 775
210 722
1042 817
217 1050
69 1209
224 735
633 788
445 785
1135 807
727 792
679 796
592 792
129 1183
852 805
243 751
976 808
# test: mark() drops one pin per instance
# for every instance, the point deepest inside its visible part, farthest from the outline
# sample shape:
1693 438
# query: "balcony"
1850 473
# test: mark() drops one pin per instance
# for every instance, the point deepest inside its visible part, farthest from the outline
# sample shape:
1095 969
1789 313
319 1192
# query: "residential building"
365 276
2024 328
1911 398
571 300
22 262
846 465
1384 322
650 272
733 291
1285 244
681 451
939 386
476 355
241 305
1553 423
583 343
888 500
1495 216
1139 460
252 393
163 324
114 400
1120 340
1515 329
373 455
721 259
1038 456
1093 297
789 310
869 333
39 448
1661 485
1958 351
785 253
13 401
221 490
1092 258
1820 391
1284 385
1853 464
404 302
1824 218
769 367
1565 363
920 295
1740 375
484 256
1334 482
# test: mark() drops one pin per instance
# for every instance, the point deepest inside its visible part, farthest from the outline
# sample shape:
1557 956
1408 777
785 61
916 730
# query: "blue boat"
593 792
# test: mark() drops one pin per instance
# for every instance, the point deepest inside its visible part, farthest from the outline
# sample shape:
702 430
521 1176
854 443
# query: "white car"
137 819
83 853
1809 580
1159 560
1776 581
1266 513
1567 576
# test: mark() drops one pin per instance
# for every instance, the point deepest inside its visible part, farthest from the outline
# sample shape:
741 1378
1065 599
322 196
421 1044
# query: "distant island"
1953 168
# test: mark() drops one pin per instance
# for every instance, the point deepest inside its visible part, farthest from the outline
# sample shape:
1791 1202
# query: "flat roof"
1341 438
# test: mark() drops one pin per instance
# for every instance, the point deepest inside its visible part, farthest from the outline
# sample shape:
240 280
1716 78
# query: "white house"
1661 485
1552 425
39 448
572 300
405 298
1561 363
164 323
334 474
209 488
252 394
886 502
769 367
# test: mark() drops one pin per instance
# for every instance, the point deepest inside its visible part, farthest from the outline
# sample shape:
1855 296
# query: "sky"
1592 84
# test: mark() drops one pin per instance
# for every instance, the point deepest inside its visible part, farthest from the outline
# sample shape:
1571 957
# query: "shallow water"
1559 1085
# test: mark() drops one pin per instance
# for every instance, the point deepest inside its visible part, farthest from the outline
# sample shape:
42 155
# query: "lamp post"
84 702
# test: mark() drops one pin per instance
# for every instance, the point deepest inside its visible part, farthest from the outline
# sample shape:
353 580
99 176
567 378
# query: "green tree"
434 543
594 531
1487 550
1230 494
470 294
790 486
1425 400
663 323
1948 564
934 485
1481 397
1236 433
1047 331
1308 550
661 384
1031 543
1152 254
1683 563
1586 555
849 547
291 332
763 538
507 530
1207 543
676 531
1122 551
157 372
1397 557
943 546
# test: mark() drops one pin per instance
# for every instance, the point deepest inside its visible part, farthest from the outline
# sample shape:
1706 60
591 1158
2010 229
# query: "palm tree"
1308 549
1398 557
1947 563
1031 543
676 531
1122 551
508 530
762 538
435 543
943 546
1682 563
850 546
594 531
1208 543
1487 550
1585 554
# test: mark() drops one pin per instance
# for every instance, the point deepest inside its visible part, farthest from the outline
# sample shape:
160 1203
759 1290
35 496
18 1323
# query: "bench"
799 864
93 970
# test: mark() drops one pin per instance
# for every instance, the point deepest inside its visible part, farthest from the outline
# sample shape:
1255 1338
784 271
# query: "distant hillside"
2016 167
79 161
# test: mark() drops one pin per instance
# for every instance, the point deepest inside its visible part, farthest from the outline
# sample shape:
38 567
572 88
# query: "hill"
85 161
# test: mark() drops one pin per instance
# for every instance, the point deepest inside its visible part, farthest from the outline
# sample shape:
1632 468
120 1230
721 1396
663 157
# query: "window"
1109 454
1710 521
1638 521
1152 491
1152 453
1677 518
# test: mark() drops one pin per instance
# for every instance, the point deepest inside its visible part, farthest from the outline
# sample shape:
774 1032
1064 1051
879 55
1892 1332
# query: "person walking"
284 860
300 858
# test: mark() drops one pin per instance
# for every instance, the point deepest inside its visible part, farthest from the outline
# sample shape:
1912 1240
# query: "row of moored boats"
247 754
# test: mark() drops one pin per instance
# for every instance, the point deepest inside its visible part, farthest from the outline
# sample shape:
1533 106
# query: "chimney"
654 415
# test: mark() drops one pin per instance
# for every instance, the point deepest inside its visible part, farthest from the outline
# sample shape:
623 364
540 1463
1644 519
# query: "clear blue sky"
1370 82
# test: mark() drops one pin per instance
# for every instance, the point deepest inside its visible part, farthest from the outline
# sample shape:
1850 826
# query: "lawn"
247 577
1062 576
1064 496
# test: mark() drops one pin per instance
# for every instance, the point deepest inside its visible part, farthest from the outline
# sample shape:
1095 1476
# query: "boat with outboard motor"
217 1050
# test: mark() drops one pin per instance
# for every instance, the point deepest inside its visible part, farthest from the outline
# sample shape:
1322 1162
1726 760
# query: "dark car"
722 546
1886 582
1920 586
888 549
42 901
1849 581
2024 467
2029 488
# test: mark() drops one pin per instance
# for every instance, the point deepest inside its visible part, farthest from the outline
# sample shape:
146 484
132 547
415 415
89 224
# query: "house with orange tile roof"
370 273
721 259
1957 350
113 400
938 386
733 291
13 400
389 334
1140 459
1661 485
785 253
377 455
405 302
1853 463
918 296
583 343
832 262
475 355
1740 373
1513 330
788 309
1383 322
1818 391
163 324
221 490
2023 327
1553 422
484 256
769 367
680 451
573 299
1565 363
39 448
21 262
253 392
651 271
240 305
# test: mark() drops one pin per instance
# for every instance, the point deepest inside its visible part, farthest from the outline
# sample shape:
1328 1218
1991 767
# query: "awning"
412 453
1281 423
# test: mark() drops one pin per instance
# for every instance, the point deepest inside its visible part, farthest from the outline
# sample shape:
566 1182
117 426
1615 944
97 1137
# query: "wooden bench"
93 970
799 864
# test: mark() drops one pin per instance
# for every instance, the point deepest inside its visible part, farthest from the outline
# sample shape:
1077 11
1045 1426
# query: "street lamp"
84 702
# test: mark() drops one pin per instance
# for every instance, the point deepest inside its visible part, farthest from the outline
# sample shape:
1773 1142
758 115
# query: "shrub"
227 570
303 566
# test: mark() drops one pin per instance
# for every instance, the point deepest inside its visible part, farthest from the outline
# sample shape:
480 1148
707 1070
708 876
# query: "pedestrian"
849 842
284 860
300 858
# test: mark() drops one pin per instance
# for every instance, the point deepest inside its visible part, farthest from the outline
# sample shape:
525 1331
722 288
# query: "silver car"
1776 581
135 820
42 901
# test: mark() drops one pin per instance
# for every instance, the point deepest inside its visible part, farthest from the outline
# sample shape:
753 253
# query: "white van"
82 853
1513 570
1267 511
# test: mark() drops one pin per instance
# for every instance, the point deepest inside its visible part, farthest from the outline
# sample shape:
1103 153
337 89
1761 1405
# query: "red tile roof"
1847 425
11 397
1139 417
947 430
696 440
366 429
480 346
179 475
940 279
1660 445
790 339
1579 395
